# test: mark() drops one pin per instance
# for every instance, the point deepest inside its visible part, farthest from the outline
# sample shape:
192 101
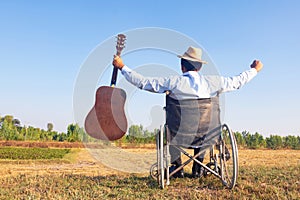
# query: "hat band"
192 56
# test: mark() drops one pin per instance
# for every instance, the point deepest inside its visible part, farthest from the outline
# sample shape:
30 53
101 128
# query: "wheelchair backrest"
192 121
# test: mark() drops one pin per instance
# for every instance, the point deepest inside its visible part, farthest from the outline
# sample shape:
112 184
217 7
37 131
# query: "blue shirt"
189 85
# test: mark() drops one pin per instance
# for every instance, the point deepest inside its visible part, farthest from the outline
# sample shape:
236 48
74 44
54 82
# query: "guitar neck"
119 47
114 77
114 74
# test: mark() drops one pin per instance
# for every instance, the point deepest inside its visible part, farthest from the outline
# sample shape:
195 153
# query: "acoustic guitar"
107 119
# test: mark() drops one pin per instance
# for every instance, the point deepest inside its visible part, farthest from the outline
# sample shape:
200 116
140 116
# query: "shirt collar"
190 73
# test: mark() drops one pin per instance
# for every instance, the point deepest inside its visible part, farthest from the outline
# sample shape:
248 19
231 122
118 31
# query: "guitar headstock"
120 43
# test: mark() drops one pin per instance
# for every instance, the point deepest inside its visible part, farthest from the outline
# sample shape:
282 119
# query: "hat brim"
191 59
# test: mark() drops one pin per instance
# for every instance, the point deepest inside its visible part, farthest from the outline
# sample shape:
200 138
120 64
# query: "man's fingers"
115 59
255 63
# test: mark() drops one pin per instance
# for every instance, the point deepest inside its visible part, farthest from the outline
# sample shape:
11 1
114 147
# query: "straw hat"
193 54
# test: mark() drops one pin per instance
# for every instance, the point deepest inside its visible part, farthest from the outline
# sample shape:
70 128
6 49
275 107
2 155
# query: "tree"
74 133
135 133
49 127
291 142
12 122
274 142
240 139
254 141
8 131
61 137
8 118
33 133
259 141
23 133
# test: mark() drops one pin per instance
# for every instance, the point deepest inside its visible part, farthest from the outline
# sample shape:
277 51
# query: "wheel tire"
154 173
228 157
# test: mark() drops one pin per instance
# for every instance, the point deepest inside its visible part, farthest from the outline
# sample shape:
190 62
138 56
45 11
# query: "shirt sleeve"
220 84
152 84
236 82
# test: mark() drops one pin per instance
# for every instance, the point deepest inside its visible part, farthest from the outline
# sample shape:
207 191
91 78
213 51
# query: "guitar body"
107 119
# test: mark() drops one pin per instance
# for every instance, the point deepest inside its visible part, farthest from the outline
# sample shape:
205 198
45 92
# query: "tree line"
11 129
245 139
256 141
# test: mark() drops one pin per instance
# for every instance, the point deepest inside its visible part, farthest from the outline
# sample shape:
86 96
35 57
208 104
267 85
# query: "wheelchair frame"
223 158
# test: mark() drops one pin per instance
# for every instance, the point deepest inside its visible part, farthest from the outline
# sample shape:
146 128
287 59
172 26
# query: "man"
189 85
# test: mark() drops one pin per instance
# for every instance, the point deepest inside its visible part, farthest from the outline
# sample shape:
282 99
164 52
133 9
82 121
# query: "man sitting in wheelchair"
189 86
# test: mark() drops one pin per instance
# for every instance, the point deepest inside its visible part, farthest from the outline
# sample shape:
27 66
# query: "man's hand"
257 65
118 62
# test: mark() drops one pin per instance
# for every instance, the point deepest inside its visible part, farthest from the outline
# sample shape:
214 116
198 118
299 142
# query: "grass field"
263 174
12 153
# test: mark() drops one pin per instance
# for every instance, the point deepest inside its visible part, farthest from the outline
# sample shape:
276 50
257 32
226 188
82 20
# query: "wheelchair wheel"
160 158
228 157
154 171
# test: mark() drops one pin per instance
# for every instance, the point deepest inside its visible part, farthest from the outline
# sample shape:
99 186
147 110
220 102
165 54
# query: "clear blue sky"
44 43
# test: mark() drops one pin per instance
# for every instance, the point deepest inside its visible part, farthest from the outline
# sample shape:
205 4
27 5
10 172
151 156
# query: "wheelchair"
195 123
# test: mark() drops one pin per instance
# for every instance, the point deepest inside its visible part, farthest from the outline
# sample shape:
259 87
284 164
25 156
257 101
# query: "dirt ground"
86 161
118 161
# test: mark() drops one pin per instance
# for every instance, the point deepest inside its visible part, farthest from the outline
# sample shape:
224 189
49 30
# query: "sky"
44 45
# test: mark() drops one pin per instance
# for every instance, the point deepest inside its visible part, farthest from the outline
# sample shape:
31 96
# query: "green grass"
16 153
253 183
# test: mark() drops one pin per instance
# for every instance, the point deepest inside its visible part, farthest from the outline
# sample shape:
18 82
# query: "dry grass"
270 158
264 174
